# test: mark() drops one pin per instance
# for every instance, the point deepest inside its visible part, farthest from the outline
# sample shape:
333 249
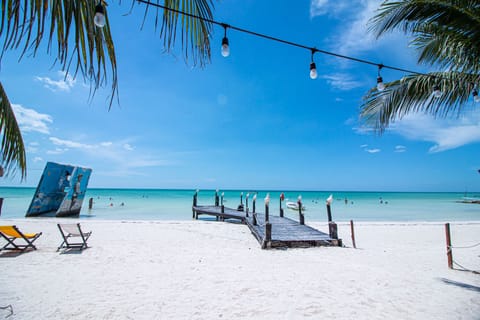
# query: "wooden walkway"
216 211
289 233
285 232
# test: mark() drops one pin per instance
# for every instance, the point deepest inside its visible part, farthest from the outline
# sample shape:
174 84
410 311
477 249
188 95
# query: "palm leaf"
23 25
444 31
414 94
447 35
13 150
194 32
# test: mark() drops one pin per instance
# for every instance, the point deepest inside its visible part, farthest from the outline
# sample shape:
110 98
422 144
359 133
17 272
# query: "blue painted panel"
60 191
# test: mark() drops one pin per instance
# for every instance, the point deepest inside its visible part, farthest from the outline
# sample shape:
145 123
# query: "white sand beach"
216 270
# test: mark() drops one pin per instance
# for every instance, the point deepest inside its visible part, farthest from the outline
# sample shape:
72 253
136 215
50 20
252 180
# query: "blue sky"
254 120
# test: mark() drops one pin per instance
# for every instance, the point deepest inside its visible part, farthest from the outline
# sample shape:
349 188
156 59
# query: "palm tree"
446 34
85 47
13 150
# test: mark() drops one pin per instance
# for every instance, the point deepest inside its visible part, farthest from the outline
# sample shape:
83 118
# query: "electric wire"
287 42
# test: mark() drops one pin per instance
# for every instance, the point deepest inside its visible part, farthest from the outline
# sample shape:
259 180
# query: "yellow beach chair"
12 234
69 231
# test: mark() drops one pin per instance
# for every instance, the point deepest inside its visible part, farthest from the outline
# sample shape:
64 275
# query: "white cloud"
30 120
37 159
318 8
445 134
363 130
121 161
372 150
353 36
400 149
128 147
328 7
57 151
71 144
65 83
350 121
32 147
342 81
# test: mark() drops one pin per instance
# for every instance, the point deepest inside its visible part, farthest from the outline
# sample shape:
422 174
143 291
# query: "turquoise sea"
153 204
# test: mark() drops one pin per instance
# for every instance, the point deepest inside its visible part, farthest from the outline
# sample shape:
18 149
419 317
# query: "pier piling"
282 197
268 236
353 234
301 217
449 245
195 201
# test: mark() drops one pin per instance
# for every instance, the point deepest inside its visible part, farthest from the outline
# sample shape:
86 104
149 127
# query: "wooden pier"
272 231
286 232
219 212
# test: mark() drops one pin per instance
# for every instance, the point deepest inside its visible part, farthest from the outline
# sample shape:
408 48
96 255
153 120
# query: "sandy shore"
215 270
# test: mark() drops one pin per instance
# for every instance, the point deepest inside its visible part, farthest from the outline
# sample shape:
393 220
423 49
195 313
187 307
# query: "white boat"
470 200
294 205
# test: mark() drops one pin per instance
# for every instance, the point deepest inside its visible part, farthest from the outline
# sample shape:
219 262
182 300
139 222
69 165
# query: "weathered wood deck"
289 233
285 232
216 211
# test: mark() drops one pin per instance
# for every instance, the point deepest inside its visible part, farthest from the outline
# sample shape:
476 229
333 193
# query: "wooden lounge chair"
12 234
70 231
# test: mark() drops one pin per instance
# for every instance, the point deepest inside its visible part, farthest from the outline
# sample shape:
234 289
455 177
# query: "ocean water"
152 204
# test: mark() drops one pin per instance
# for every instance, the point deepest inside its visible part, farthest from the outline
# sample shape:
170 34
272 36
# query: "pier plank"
285 232
216 211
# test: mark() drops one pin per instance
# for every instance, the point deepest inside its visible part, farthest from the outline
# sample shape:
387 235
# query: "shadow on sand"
460 284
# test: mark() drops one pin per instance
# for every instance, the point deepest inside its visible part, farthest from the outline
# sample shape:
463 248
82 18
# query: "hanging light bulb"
380 84
476 98
436 91
313 68
99 18
225 45
313 71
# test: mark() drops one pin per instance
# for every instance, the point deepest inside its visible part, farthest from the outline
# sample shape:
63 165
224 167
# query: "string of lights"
225 49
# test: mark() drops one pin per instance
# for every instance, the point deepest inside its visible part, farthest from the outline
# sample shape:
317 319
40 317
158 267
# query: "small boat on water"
294 205
470 200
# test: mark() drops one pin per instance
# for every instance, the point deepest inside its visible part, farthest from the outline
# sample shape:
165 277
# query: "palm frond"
445 32
194 33
414 94
25 24
447 35
409 15
12 147
445 47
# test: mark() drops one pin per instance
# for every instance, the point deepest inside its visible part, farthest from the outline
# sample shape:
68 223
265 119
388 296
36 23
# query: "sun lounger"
73 236
13 236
